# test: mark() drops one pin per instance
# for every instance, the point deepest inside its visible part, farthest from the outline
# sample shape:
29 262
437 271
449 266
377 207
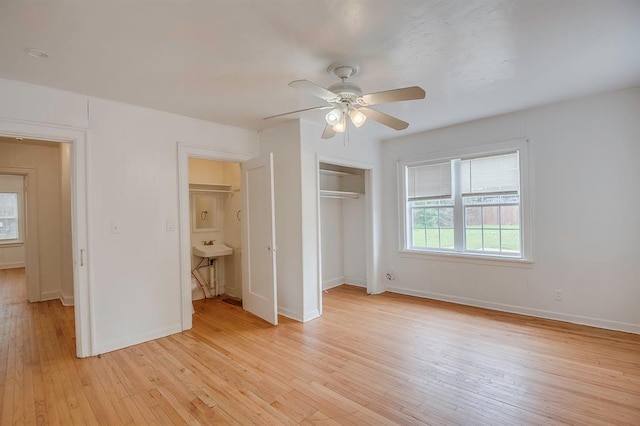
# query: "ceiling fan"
346 99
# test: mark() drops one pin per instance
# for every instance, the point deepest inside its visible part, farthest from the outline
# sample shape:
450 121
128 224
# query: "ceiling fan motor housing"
347 92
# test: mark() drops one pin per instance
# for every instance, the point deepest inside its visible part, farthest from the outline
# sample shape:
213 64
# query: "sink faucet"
208 243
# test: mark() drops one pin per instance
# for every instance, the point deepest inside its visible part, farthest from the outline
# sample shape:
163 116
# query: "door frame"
78 138
371 261
185 151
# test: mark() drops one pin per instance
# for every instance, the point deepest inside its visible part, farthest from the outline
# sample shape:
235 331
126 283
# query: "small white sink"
216 250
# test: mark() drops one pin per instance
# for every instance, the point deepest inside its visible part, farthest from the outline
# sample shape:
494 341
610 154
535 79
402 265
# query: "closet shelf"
335 173
207 187
327 193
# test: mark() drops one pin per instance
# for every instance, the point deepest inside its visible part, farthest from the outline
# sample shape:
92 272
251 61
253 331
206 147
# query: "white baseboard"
50 295
66 300
359 282
333 282
12 265
308 316
234 292
540 313
53 295
134 340
289 314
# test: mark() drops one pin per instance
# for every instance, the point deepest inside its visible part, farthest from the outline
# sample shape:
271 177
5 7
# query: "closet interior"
342 225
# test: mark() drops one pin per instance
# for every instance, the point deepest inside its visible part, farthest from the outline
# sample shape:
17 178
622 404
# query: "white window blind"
498 174
429 181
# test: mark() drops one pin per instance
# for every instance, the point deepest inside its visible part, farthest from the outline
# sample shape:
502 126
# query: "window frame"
404 221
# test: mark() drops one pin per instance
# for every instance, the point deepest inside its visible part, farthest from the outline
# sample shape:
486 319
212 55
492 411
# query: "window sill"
469 258
11 244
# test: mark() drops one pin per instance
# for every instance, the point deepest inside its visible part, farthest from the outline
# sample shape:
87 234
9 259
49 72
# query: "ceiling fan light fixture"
341 126
357 117
333 117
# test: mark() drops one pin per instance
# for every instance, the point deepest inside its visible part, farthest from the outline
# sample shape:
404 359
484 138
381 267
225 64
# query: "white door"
259 255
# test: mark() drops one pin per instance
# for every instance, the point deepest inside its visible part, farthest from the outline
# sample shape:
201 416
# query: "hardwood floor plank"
383 359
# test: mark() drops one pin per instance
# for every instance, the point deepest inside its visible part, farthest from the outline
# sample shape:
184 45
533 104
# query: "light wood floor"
369 360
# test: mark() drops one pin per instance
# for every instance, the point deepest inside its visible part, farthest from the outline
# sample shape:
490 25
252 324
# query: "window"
9 226
467 203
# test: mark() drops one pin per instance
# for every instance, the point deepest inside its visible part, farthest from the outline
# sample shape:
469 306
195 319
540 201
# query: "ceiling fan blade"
295 112
382 118
314 89
396 95
328 132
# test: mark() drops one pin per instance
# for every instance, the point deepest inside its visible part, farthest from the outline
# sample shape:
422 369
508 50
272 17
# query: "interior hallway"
368 360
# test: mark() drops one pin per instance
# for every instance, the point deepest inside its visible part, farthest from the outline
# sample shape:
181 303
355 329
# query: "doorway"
54 215
215 206
81 286
259 291
37 177
185 154
345 228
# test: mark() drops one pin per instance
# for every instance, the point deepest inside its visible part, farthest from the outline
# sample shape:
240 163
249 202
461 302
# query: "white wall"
332 237
354 241
233 232
132 181
586 203
133 168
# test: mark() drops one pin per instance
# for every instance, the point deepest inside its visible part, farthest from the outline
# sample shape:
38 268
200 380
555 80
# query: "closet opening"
344 211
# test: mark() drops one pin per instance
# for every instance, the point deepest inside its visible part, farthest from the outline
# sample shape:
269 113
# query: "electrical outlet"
557 295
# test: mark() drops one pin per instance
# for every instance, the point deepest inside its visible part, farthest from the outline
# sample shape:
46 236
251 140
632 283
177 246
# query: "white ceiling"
230 61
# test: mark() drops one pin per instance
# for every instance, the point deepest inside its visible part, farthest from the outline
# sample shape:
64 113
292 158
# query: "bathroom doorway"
215 217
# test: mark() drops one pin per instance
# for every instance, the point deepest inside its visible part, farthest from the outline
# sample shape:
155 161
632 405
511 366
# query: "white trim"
50 295
12 265
291 314
509 262
308 316
78 138
334 282
136 339
184 152
11 243
358 282
66 300
538 313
